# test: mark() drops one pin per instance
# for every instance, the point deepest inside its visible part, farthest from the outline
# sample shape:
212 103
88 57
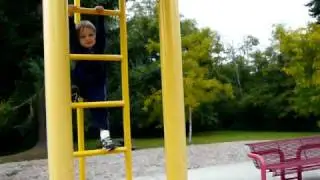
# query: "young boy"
90 76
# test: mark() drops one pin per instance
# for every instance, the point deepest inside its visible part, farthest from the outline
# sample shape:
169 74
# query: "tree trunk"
237 71
40 149
41 117
190 124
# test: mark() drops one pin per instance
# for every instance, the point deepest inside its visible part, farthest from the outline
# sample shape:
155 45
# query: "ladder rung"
95 57
98 104
93 11
97 152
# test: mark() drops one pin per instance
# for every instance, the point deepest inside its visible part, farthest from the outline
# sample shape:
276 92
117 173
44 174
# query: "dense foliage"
226 87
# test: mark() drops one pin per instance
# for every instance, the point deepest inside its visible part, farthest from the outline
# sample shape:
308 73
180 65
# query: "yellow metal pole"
57 86
125 89
77 15
172 91
80 127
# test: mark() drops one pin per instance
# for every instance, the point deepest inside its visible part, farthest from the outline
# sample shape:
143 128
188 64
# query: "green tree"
314 9
198 48
300 51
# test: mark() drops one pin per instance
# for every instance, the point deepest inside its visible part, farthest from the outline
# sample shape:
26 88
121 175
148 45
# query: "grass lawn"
200 138
216 137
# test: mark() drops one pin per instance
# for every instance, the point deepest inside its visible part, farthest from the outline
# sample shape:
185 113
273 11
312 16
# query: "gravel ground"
145 162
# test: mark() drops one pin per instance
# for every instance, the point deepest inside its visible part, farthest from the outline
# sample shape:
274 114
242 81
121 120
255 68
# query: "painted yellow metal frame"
59 105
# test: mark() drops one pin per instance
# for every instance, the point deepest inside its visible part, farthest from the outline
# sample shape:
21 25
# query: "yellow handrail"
125 89
81 145
77 16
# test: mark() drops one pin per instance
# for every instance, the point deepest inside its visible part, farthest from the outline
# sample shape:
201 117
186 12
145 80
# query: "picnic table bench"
286 157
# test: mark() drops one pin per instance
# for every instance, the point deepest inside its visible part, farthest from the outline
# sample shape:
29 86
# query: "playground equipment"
58 100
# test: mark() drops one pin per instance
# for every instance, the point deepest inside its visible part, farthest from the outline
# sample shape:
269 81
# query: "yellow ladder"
57 86
124 103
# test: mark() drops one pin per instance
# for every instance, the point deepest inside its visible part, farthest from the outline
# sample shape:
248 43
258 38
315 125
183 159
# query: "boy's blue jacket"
88 73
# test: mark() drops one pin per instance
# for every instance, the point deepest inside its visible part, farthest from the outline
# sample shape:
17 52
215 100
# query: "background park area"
232 92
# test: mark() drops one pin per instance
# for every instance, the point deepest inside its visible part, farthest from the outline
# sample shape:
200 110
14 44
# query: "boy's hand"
99 8
71 8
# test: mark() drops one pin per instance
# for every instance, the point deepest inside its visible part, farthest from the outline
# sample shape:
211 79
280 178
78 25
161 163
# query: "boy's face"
87 37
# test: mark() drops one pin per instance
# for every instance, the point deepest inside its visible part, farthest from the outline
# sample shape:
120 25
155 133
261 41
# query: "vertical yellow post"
57 86
172 91
81 146
77 15
125 89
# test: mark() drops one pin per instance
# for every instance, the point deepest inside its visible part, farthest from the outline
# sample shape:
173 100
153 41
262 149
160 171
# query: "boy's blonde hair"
85 24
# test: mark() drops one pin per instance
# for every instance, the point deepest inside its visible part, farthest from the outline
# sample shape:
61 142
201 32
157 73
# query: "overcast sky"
234 19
